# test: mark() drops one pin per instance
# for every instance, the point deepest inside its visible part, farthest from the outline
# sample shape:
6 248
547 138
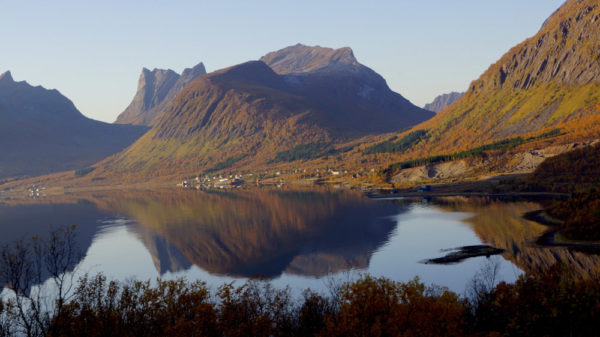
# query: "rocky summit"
156 89
302 59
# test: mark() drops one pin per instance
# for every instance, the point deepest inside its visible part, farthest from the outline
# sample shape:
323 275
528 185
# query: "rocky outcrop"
303 59
443 101
156 90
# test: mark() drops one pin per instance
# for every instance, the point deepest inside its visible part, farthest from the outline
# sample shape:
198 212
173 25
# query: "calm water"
301 239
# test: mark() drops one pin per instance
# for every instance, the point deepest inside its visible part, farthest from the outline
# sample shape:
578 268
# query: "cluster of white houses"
222 181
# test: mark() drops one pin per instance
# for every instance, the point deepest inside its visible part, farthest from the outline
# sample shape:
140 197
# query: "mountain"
156 89
41 131
443 101
549 81
352 95
252 113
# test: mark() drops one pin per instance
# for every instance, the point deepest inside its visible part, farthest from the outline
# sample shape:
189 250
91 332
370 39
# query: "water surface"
304 239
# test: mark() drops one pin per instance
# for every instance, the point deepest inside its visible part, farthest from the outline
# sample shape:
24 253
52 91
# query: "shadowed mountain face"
156 90
41 132
260 232
252 112
443 101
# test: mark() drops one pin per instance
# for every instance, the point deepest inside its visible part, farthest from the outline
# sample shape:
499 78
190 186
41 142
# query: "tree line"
480 151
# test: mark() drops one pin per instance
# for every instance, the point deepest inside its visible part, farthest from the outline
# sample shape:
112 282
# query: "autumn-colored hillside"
549 81
545 81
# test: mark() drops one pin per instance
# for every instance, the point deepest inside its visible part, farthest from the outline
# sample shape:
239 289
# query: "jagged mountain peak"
301 59
195 71
156 75
6 76
156 89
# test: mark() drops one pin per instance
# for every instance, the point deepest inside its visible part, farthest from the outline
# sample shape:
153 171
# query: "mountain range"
303 96
41 131
316 107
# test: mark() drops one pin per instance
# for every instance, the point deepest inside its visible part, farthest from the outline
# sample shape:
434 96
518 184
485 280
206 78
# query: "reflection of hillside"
501 225
165 256
259 232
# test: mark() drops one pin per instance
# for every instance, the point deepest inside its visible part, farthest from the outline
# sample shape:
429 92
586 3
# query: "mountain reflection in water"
258 233
288 236
500 223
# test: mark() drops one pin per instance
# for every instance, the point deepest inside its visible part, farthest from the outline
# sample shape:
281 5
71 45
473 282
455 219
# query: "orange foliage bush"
381 307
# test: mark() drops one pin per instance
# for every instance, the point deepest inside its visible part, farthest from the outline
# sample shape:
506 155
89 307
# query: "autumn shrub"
255 309
169 308
381 307
313 314
550 304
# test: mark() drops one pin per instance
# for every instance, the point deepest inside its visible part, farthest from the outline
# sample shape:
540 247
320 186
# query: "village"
279 178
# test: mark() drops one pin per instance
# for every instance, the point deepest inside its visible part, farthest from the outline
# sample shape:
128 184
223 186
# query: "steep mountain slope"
249 114
156 90
551 80
443 101
41 131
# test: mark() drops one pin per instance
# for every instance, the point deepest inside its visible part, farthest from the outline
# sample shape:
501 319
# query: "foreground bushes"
367 307
553 304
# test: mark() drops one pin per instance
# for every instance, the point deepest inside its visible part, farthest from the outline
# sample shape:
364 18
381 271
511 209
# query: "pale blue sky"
93 51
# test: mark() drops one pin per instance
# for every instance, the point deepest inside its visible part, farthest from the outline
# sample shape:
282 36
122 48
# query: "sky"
93 51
